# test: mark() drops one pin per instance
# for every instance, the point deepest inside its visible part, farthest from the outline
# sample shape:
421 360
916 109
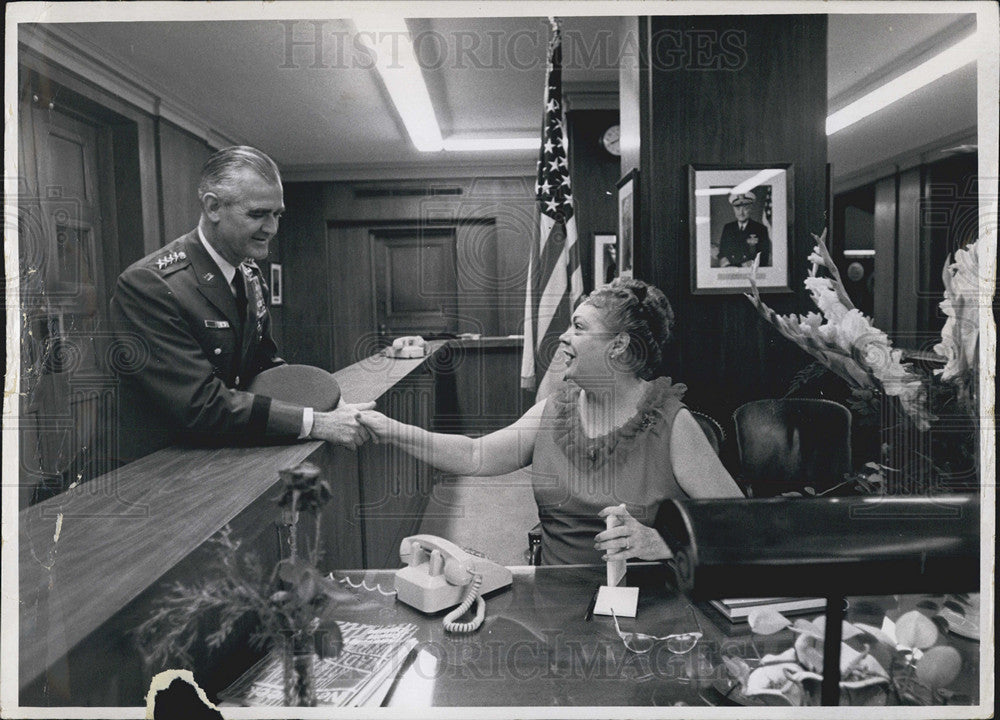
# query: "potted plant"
290 605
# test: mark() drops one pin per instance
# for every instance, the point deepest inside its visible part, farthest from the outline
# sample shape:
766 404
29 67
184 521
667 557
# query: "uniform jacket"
734 246
193 357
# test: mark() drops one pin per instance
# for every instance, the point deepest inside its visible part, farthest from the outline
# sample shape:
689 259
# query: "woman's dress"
574 477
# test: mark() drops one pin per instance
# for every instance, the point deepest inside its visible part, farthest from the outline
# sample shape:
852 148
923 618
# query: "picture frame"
628 221
737 213
277 285
605 258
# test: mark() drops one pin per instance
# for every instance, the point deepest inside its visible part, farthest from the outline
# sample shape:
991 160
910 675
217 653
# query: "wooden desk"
537 649
91 560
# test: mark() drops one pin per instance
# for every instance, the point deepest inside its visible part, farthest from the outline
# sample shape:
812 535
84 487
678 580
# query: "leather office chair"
716 437
792 444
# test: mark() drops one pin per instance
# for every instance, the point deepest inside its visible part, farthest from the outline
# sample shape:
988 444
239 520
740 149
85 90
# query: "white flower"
960 335
854 330
813 320
889 369
825 297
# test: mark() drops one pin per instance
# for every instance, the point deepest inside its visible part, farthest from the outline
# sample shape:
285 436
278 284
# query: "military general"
197 312
744 238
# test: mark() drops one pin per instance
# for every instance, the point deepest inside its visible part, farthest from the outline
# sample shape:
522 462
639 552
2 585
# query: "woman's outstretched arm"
498 453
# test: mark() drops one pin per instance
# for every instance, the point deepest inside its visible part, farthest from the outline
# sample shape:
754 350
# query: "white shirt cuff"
307 423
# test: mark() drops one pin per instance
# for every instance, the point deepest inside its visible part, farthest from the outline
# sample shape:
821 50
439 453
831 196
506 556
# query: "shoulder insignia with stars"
169 259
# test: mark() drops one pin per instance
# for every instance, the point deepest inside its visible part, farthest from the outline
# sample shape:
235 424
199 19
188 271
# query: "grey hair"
218 175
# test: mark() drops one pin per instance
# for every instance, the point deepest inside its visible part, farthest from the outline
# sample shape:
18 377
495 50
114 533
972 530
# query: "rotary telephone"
439 575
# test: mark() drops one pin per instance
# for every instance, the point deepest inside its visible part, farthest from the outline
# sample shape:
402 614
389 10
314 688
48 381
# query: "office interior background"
410 210
382 238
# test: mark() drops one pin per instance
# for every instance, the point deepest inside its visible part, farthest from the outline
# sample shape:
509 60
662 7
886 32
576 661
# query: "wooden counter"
484 375
91 558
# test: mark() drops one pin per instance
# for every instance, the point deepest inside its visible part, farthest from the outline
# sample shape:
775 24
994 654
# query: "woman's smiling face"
586 346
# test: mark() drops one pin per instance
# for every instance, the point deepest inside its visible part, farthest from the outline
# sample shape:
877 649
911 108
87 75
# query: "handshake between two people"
351 425
342 425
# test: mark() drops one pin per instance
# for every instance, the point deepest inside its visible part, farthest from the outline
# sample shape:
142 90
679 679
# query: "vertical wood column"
908 238
885 252
725 90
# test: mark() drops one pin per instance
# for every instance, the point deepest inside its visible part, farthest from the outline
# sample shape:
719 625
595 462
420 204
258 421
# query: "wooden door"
69 395
414 281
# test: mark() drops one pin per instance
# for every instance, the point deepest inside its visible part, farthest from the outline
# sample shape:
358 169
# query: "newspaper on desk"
360 675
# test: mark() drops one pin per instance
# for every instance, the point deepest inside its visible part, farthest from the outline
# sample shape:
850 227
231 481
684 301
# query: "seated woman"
612 440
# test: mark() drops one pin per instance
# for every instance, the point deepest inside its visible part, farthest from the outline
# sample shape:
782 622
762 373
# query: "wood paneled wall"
594 174
325 248
921 215
327 318
181 156
769 108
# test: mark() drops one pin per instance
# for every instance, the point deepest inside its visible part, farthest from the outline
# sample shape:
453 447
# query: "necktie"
239 286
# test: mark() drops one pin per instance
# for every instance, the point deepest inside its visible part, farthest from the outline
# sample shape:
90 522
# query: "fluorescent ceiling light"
466 144
959 54
389 40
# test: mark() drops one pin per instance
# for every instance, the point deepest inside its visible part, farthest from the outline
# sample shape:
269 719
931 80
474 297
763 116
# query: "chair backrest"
792 444
713 431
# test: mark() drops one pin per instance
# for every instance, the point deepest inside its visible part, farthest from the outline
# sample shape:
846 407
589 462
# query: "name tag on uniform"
218 324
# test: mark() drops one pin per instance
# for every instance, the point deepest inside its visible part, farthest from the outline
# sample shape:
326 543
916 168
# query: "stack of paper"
737 609
359 676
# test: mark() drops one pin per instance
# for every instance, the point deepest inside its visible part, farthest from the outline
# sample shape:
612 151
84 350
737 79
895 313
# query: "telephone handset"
439 575
411 346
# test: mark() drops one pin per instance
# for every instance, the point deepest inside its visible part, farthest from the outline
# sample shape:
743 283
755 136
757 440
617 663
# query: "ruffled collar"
591 453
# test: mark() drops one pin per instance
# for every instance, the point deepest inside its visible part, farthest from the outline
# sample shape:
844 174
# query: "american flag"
555 281
766 215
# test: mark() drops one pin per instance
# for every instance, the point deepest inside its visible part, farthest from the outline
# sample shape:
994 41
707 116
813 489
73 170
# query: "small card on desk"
624 600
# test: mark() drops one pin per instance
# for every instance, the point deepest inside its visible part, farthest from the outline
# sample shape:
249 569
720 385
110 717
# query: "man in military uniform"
196 315
744 238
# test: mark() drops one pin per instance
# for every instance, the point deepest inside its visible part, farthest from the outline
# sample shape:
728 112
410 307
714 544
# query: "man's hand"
341 425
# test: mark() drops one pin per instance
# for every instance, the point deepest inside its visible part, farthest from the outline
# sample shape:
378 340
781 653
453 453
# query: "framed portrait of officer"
741 220
628 216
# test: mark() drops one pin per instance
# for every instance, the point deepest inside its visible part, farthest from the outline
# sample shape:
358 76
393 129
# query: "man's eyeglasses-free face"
677 643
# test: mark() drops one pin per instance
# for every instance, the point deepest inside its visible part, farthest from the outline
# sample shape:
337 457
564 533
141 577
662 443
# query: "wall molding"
79 56
590 96
431 170
905 161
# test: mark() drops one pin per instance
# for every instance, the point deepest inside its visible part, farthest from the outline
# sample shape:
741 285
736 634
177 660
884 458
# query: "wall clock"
611 138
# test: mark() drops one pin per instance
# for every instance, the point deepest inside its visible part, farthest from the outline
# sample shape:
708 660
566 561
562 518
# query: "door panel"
69 397
415 281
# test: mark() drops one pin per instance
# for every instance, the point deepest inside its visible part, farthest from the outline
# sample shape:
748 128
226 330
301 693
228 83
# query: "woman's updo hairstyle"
641 310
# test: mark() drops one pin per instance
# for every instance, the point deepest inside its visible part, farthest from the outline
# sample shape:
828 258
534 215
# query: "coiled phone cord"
471 596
